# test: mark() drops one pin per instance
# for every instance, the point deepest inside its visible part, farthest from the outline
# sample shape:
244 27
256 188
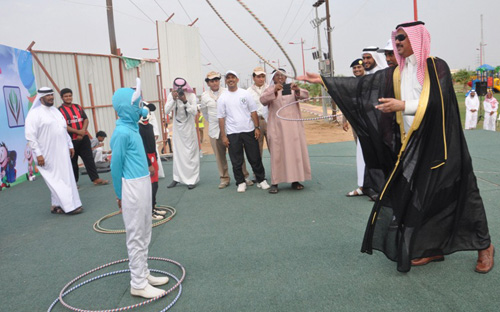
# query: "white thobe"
186 166
47 135
471 117
490 119
410 90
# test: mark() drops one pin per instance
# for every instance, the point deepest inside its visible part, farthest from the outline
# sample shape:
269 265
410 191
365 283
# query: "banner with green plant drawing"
18 90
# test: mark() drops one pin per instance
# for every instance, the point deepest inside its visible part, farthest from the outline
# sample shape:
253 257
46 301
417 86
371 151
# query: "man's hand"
40 160
183 98
295 87
175 95
71 152
82 132
310 77
79 137
491 113
345 125
473 110
277 87
119 202
390 105
225 141
257 133
151 170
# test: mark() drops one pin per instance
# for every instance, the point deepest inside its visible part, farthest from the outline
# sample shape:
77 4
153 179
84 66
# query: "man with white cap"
256 90
240 131
388 51
209 103
471 107
372 60
46 133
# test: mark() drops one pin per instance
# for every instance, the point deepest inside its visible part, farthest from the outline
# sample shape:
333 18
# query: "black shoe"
173 184
191 186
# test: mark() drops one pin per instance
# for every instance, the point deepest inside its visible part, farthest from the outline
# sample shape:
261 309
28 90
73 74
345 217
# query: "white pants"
136 211
490 121
360 164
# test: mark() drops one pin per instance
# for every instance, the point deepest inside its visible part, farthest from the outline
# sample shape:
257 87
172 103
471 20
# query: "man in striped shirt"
77 122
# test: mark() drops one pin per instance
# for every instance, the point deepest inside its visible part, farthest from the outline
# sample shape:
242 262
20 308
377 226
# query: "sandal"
356 192
76 211
273 189
297 186
100 182
56 210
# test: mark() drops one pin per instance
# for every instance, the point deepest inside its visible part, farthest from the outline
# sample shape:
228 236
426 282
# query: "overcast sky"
81 26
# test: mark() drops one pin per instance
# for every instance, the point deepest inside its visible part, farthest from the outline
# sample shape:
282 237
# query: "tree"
462 77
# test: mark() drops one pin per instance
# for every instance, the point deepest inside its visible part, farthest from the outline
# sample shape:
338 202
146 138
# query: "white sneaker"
263 185
148 292
249 182
157 280
159 211
242 187
157 217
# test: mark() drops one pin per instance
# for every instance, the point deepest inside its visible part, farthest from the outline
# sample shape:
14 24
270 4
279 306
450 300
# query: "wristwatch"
257 127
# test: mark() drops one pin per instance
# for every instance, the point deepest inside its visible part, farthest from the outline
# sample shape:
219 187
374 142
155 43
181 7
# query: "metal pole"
111 27
329 29
415 10
303 61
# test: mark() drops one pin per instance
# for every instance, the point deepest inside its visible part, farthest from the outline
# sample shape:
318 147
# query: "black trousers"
83 149
245 141
154 189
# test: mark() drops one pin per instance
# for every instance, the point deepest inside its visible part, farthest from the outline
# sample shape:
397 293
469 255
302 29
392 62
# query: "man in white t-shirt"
239 127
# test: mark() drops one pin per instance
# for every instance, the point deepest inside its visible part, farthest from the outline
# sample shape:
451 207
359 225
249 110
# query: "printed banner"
18 87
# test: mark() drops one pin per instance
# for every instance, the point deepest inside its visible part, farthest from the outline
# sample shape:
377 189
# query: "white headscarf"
271 82
378 57
43 91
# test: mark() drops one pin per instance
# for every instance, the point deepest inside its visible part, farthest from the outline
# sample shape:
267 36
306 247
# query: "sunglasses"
400 37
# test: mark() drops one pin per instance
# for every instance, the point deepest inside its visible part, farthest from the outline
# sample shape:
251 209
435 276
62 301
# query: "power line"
142 11
161 8
184 10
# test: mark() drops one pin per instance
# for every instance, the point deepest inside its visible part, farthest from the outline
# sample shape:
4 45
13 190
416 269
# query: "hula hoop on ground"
64 291
98 228
306 119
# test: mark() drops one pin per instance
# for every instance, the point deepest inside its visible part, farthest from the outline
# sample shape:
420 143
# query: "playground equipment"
486 77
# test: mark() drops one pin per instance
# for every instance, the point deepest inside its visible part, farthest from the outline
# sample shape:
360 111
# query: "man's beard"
48 104
371 67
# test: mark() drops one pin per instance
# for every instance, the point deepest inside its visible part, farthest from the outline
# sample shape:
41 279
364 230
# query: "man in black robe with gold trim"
409 127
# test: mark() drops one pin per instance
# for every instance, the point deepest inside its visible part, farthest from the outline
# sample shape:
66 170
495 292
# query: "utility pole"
322 66
111 27
481 45
329 30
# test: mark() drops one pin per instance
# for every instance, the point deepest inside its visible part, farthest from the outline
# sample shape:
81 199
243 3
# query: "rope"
98 228
247 45
64 291
305 119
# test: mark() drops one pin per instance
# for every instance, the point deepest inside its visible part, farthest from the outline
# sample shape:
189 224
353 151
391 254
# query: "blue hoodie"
128 159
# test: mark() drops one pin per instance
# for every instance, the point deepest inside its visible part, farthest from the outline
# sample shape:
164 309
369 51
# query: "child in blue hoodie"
131 180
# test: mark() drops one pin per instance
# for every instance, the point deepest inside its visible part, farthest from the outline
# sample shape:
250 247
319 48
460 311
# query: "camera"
180 92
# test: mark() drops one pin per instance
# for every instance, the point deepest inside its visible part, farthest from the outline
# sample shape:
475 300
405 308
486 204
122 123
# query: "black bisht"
430 204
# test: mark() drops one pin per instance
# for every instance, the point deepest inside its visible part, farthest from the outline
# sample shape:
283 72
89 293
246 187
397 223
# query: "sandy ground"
317 131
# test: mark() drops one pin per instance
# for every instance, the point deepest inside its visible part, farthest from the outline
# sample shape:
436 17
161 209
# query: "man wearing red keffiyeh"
408 124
